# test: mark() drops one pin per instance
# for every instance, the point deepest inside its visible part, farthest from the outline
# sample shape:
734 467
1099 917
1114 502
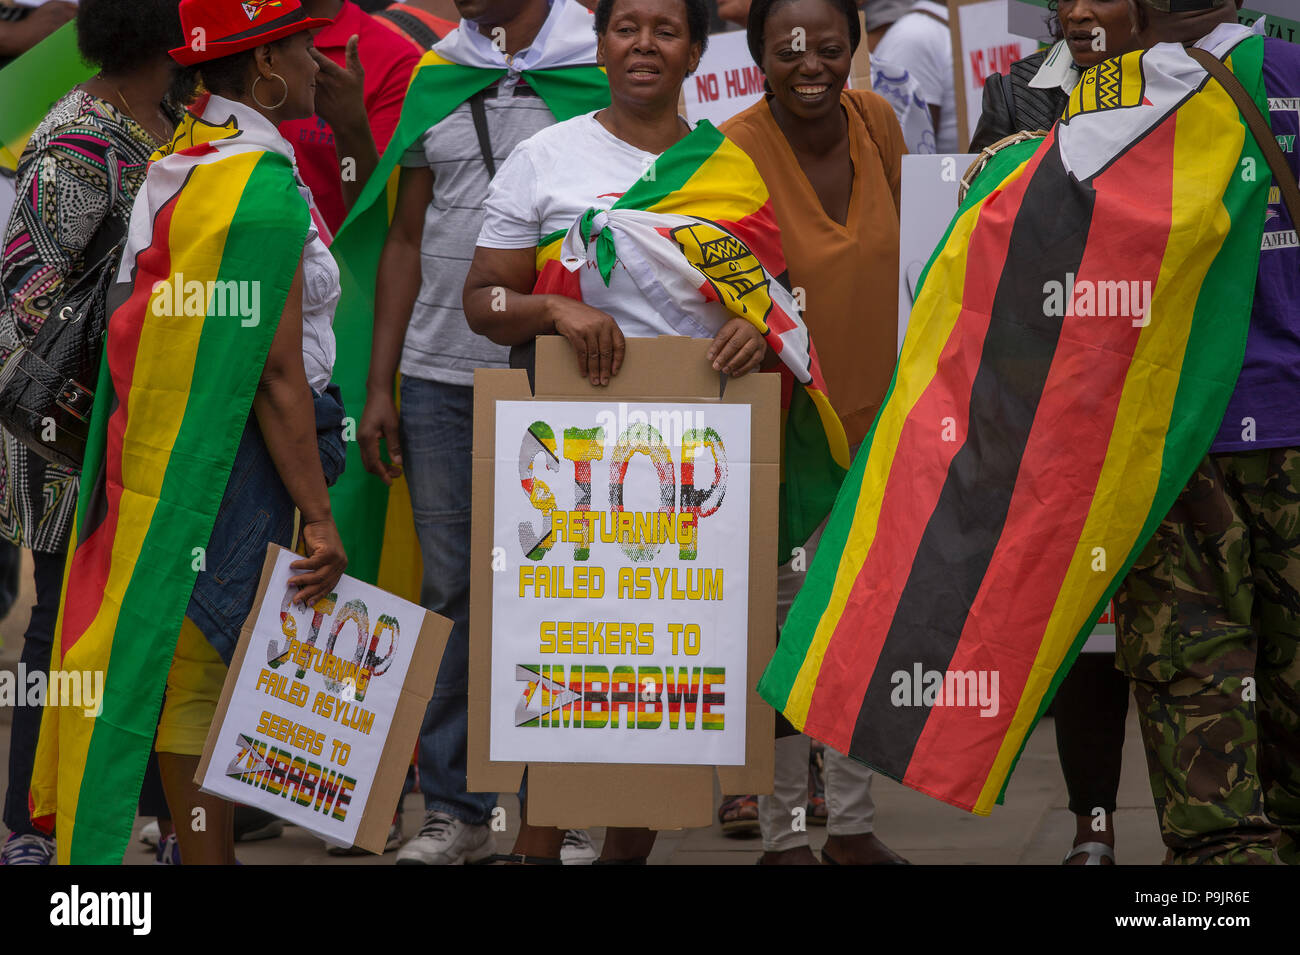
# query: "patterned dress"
64 197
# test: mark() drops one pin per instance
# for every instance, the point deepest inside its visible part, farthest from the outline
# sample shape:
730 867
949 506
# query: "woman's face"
1096 30
734 11
293 61
806 56
647 51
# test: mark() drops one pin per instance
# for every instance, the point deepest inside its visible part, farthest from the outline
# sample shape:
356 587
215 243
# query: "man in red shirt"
388 60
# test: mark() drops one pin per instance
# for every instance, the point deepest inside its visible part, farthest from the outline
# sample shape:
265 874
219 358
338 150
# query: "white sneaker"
149 834
577 848
445 840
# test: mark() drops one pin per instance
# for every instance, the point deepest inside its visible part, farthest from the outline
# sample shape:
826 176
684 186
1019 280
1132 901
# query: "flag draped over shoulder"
373 522
696 229
220 210
1070 356
32 83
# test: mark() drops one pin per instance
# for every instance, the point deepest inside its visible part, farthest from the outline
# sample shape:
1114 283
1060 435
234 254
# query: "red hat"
230 26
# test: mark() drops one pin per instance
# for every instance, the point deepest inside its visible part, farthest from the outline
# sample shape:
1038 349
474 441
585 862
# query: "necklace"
153 134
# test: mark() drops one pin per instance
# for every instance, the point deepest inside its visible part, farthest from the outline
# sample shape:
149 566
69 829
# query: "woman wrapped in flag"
213 419
628 222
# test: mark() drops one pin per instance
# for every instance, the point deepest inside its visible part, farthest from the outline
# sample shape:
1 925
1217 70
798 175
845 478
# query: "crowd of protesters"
322 83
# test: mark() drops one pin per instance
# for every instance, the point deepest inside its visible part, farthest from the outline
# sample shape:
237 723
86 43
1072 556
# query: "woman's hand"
379 420
738 348
595 338
324 564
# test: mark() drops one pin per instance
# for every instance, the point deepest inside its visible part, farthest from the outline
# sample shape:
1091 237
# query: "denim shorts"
255 511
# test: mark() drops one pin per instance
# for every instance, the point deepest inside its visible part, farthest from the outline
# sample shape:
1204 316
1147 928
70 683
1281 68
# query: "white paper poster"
312 706
620 588
987 47
726 82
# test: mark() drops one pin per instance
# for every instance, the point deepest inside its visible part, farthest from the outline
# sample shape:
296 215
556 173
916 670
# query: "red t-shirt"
388 59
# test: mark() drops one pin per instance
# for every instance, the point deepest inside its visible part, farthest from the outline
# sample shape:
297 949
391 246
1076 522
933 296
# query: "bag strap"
479 112
419 31
1259 127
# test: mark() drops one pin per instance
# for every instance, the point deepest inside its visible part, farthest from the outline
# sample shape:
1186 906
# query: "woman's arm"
397 287
498 306
287 420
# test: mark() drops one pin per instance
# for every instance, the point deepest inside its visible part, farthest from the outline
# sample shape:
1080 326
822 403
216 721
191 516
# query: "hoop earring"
285 96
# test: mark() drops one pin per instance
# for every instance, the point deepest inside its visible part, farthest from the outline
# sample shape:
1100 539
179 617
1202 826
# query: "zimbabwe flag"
697 228
175 388
373 522
1070 355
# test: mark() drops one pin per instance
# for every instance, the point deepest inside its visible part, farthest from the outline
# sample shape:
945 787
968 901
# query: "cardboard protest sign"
322 706
621 605
981 46
623 598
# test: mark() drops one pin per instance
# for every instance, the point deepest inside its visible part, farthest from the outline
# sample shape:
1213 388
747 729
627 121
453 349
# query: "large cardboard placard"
981 46
620 596
659 374
322 706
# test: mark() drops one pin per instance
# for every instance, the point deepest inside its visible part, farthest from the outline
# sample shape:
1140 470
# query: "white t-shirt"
923 46
548 182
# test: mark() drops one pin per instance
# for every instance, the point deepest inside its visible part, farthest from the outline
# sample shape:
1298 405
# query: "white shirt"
548 182
923 46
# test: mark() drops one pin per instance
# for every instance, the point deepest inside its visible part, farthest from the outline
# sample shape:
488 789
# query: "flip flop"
1095 851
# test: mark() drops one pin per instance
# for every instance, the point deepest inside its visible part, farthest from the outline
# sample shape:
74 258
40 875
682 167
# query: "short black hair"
227 75
119 35
697 20
760 10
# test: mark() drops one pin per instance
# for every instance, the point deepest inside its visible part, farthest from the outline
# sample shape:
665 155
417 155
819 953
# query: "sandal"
1095 851
738 815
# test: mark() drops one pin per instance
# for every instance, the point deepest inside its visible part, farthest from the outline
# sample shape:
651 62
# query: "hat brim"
188 56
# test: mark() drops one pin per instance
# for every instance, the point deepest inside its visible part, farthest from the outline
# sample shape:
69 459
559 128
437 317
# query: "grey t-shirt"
439 345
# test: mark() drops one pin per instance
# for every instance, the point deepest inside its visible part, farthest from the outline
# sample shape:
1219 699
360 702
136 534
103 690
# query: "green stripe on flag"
33 83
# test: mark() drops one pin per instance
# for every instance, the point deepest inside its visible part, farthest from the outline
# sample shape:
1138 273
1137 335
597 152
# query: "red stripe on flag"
93 558
910 498
953 746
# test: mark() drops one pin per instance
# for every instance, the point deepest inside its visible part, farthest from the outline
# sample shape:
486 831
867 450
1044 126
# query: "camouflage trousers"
1208 630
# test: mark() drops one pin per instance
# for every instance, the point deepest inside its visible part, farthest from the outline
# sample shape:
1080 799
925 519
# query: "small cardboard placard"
322 706
613 747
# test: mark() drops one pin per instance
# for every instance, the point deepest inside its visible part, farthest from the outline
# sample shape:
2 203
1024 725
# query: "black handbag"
47 385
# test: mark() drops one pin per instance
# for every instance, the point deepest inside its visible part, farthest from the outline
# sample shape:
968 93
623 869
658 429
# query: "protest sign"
981 46
623 593
726 82
620 606
314 727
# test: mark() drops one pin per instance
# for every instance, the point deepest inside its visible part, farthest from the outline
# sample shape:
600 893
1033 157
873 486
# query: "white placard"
726 82
313 702
987 47
620 588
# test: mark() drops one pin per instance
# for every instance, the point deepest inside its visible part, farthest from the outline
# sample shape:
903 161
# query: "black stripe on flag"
1047 241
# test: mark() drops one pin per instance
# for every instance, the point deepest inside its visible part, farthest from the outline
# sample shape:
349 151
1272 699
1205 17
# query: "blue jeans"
437 435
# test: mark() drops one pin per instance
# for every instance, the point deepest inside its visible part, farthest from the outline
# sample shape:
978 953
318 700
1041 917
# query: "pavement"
1033 827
